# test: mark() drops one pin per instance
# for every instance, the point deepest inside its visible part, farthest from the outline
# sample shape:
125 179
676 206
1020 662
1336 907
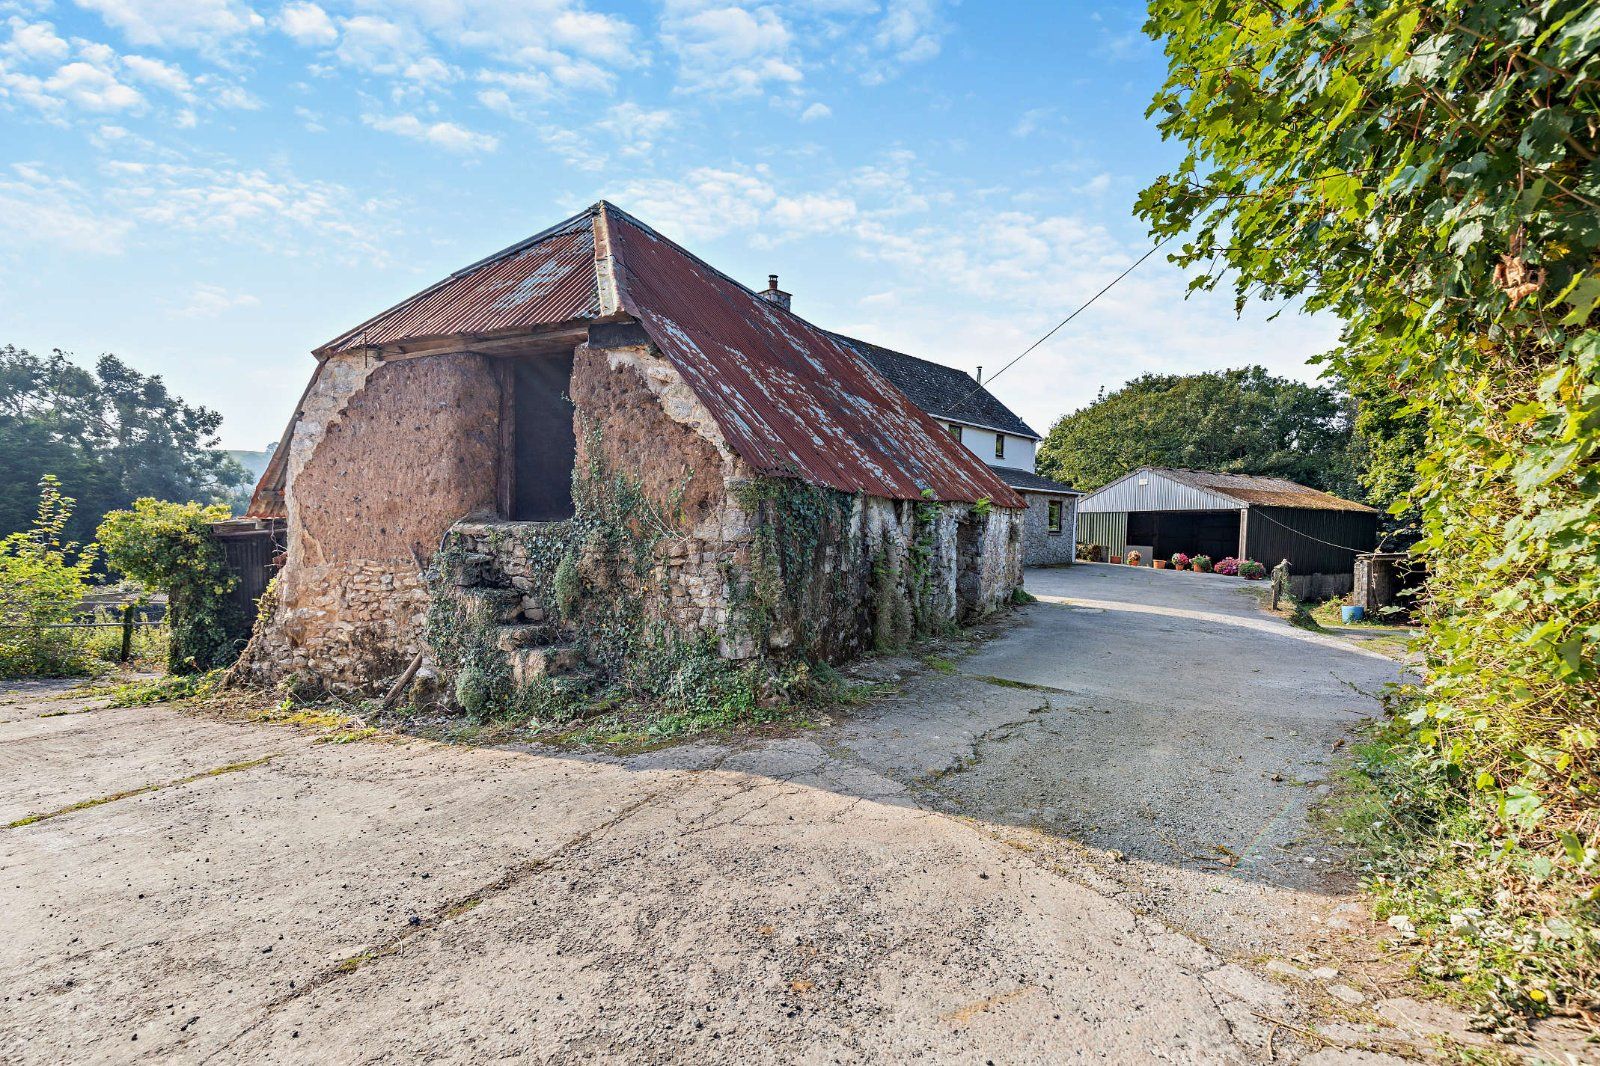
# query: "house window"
1053 525
955 431
999 445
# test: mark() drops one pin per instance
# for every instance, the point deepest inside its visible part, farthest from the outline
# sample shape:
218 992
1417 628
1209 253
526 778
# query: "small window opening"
1054 521
544 447
999 445
955 431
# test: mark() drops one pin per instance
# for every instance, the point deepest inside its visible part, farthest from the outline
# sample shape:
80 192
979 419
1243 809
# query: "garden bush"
1228 566
42 580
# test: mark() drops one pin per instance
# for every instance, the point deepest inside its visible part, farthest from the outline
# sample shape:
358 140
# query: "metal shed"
1163 510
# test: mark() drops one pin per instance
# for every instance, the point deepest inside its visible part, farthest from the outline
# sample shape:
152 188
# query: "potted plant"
1159 564
1180 561
1228 566
1117 560
1251 570
1200 564
1134 558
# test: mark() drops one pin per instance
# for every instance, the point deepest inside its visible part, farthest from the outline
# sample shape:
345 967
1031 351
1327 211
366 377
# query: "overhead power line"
1056 328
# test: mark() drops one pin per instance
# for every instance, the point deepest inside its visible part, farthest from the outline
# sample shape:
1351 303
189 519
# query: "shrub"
42 580
1134 559
1179 561
1203 562
1253 570
169 546
1229 566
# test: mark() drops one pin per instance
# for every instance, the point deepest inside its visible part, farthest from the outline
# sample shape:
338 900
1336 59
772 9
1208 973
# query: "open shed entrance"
1213 533
543 445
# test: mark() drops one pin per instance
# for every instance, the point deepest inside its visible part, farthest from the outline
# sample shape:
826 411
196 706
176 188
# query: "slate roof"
942 391
1256 489
1028 481
789 398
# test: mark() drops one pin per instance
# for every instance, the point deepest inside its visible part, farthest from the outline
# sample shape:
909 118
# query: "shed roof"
942 391
1226 491
789 398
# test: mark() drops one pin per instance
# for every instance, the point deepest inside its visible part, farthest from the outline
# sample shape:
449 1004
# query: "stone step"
497 606
511 638
555 660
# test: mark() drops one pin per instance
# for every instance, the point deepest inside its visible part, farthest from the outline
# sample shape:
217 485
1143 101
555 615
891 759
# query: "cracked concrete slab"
954 874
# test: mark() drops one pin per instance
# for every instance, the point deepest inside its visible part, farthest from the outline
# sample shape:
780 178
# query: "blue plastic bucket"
1352 614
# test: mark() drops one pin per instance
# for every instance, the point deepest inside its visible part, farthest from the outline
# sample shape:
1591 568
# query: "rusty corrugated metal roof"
790 399
545 279
1259 490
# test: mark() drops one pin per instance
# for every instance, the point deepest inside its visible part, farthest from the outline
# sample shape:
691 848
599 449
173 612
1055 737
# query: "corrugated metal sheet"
1170 489
1315 540
789 398
1158 493
1109 528
546 279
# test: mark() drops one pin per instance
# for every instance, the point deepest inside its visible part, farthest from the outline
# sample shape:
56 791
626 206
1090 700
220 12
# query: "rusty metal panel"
790 399
545 279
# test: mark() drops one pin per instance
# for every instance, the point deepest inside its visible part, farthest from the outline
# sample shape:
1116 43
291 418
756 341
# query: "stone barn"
592 452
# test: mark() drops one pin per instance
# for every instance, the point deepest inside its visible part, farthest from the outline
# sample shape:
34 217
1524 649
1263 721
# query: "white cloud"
812 213
379 45
447 135
636 128
573 148
707 203
815 112
37 209
155 72
307 24
211 301
726 49
202 24
512 93
34 42
92 88
430 70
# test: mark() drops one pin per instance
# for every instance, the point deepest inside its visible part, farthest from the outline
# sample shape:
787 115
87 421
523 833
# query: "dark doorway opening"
1213 533
543 445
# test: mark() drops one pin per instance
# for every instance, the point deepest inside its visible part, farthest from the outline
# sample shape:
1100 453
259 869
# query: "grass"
943 665
1503 928
84 805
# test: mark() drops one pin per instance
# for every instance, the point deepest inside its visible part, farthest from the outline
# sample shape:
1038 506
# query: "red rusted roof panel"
546 279
789 398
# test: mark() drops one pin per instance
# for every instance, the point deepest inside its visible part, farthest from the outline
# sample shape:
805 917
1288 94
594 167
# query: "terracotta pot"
1196 568
1160 564
1117 559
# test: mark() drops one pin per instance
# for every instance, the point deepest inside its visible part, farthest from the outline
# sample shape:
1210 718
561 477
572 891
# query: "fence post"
1280 582
127 632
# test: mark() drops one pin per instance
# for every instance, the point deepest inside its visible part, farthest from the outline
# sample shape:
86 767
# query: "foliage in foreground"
1515 930
1427 172
168 546
43 578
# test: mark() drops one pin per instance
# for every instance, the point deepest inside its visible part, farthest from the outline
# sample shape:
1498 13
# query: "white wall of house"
1019 450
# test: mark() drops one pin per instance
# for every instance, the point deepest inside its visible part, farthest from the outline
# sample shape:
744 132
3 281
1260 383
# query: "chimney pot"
772 282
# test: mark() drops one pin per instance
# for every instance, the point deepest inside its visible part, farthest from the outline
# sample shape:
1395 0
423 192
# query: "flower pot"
1160 564
1196 568
1352 613
1117 559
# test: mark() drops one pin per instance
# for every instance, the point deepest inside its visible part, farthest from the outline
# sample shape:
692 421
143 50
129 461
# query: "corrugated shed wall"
1157 494
1307 538
1105 527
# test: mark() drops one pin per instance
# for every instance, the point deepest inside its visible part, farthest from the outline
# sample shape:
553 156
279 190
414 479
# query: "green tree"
1236 421
43 578
1427 172
110 436
168 546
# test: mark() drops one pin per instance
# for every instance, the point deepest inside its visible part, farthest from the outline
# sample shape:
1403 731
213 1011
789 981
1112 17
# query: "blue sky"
211 188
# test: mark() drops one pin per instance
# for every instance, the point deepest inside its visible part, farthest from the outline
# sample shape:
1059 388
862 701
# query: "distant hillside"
255 462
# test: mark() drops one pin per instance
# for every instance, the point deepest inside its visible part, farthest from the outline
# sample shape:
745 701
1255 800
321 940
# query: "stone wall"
1039 546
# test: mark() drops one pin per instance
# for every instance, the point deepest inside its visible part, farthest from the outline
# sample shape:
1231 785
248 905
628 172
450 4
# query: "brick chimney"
773 294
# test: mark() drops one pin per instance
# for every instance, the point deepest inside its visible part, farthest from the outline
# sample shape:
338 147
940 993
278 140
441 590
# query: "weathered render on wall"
385 458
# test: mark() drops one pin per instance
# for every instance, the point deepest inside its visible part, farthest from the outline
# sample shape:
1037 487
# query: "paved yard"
1096 860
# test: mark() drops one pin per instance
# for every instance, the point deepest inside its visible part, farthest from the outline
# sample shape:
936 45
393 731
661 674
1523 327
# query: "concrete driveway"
1088 844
